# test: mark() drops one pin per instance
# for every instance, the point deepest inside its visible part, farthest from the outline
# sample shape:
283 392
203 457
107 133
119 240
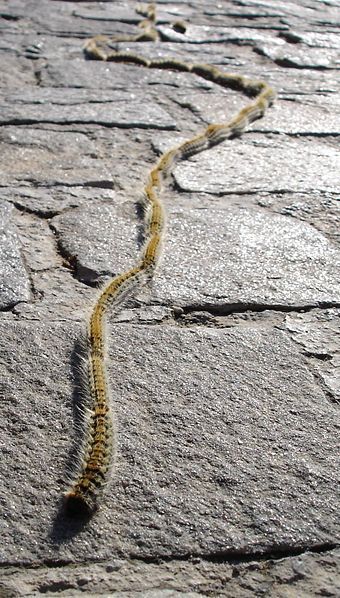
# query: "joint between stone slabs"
235 308
69 261
33 291
237 192
296 135
115 125
218 557
320 382
201 315
39 214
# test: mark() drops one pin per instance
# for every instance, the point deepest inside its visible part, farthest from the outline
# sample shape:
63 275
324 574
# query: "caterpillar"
99 442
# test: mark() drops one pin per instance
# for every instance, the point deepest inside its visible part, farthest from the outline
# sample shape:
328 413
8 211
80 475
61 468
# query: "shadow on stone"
66 526
140 212
72 517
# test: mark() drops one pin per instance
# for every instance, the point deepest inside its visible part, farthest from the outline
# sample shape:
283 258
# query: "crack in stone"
239 192
228 309
68 260
114 125
9 16
319 135
9 308
42 215
102 184
231 557
238 556
319 356
319 380
33 290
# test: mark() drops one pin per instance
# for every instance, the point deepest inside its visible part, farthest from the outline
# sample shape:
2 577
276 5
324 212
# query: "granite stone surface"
14 279
213 460
224 369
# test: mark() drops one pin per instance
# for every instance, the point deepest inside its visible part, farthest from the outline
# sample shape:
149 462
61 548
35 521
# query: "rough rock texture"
224 369
239 470
82 106
14 280
250 258
308 574
259 170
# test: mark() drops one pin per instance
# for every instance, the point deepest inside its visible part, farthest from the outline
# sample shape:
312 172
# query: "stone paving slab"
80 106
51 156
317 58
14 280
318 334
53 289
38 244
16 74
218 171
253 482
228 418
91 231
92 75
318 209
56 18
57 162
293 116
77 72
303 575
212 256
47 201
314 39
198 34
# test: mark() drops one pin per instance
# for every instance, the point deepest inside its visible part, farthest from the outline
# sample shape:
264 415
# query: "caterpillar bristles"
98 447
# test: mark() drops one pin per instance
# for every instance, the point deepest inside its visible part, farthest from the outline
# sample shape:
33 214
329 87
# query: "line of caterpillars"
99 442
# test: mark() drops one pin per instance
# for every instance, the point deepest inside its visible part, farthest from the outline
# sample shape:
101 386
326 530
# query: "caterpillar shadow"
66 525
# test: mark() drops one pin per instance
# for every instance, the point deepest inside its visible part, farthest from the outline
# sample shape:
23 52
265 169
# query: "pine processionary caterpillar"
98 448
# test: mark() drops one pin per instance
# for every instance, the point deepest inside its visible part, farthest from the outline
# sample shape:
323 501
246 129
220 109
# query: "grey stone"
107 13
48 201
293 116
107 235
120 109
150 314
52 157
197 34
212 256
38 244
51 169
298 57
15 73
234 257
14 280
314 39
319 209
307 574
252 165
227 414
59 296
247 9
125 14
98 75
203 449
318 334
288 81
298 118
102 75
38 47
59 19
